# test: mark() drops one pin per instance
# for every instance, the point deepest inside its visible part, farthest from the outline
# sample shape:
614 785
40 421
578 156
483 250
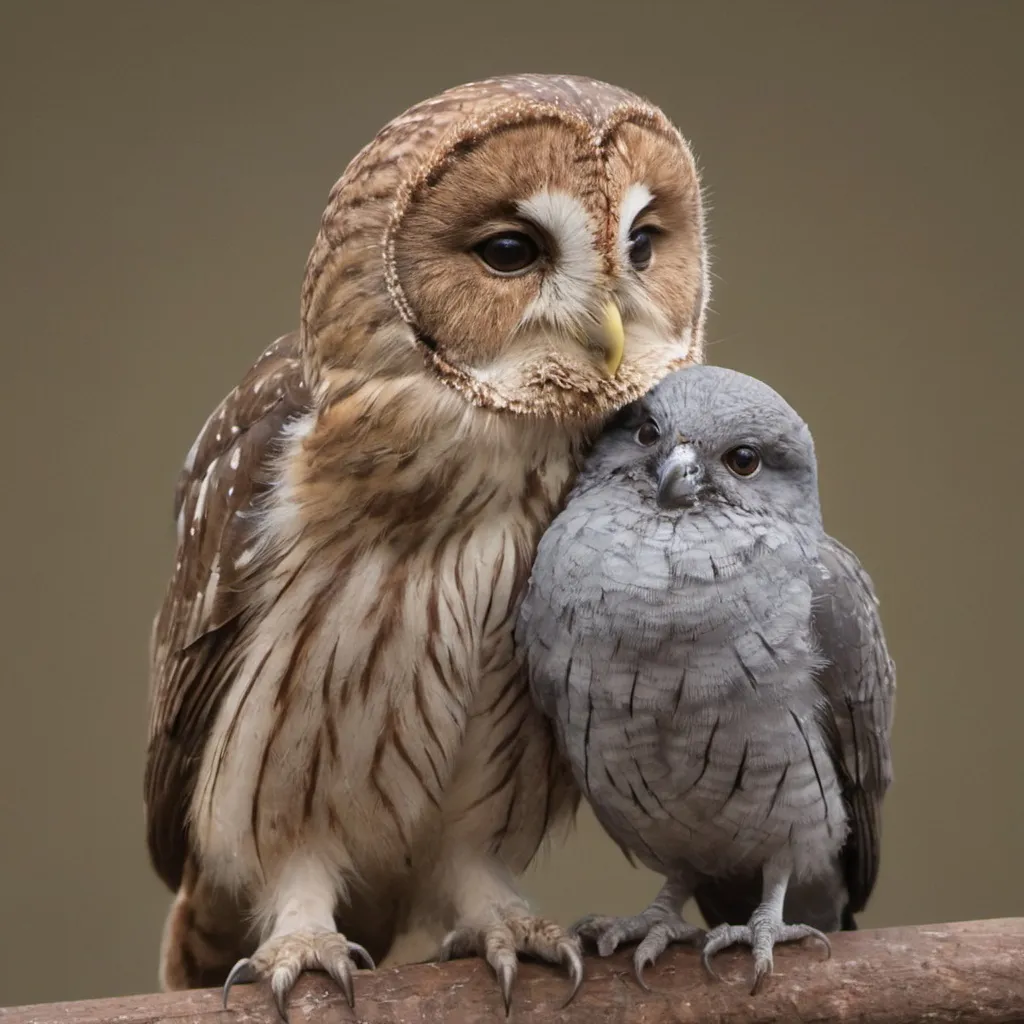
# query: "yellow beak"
613 338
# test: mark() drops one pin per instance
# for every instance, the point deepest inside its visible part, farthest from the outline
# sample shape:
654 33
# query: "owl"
342 742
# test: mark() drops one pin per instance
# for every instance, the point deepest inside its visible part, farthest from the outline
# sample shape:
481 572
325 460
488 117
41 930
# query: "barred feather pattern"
371 705
362 643
337 703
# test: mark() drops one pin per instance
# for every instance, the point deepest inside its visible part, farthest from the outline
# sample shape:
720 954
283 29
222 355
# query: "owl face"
545 253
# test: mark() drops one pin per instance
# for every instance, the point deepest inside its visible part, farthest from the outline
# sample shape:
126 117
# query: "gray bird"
714 667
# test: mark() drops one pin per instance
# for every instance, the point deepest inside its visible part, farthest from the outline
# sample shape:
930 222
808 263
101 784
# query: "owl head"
533 242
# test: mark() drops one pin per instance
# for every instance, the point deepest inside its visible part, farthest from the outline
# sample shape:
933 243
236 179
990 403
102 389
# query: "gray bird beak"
680 478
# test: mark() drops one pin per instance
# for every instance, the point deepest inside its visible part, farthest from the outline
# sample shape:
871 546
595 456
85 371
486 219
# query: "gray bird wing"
860 682
856 716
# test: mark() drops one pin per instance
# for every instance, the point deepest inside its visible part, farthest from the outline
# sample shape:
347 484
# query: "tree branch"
969 972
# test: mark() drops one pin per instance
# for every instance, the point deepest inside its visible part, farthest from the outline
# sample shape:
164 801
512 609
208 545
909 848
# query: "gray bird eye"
742 461
511 252
647 433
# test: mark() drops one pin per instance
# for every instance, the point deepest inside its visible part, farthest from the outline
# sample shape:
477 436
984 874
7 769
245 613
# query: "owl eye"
743 460
648 433
641 247
511 252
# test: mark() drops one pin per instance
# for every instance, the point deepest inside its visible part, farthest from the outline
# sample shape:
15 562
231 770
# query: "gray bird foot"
761 934
283 959
655 928
501 943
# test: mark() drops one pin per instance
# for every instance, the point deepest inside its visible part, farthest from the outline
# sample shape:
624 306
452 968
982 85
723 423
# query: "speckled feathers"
408 203
341 733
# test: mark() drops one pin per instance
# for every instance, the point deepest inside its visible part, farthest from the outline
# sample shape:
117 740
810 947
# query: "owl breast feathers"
342 742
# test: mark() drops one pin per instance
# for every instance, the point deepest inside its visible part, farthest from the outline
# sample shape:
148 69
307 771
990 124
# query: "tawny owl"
342 740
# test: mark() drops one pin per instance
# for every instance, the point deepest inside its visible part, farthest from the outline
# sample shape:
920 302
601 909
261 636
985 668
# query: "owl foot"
656 928
761 934
502 942
284 958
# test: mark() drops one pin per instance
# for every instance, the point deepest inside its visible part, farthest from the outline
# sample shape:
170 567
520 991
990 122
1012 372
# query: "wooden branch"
969 972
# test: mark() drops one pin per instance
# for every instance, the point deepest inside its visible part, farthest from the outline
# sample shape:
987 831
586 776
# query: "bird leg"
657 927
765 927
493 921
304 937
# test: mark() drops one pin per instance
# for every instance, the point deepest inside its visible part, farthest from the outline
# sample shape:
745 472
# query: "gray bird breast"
674 654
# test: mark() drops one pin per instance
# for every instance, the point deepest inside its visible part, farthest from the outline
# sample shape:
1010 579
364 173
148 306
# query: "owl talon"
281 983
243 973
364 956
506 970
501 943
341 972
574 962
283 959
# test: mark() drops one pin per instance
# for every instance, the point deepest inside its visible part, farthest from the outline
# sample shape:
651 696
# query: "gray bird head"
707 435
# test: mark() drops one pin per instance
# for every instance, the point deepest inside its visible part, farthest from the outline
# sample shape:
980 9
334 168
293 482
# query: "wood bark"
965 972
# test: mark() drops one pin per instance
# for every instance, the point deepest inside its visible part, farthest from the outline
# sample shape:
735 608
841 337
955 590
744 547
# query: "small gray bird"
715 669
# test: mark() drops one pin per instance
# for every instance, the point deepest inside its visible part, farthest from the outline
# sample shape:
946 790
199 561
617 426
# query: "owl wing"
196 644
860 683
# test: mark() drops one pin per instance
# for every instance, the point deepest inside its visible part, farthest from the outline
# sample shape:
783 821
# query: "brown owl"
342 743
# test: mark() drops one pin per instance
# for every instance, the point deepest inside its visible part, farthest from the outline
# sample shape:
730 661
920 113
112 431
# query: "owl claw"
342 975
243 973
574 962
354 947
501 943
283 959
506 970
280 985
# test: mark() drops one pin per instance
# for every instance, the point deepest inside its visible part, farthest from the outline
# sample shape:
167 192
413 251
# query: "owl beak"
612 337
680 478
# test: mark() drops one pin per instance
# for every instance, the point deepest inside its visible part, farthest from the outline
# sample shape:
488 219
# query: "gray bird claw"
283 959
502 943
654 929
761 935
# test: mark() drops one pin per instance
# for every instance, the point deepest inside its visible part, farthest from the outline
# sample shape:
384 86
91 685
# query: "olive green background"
163 171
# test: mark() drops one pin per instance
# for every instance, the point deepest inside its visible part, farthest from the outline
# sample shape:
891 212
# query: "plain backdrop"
163 171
